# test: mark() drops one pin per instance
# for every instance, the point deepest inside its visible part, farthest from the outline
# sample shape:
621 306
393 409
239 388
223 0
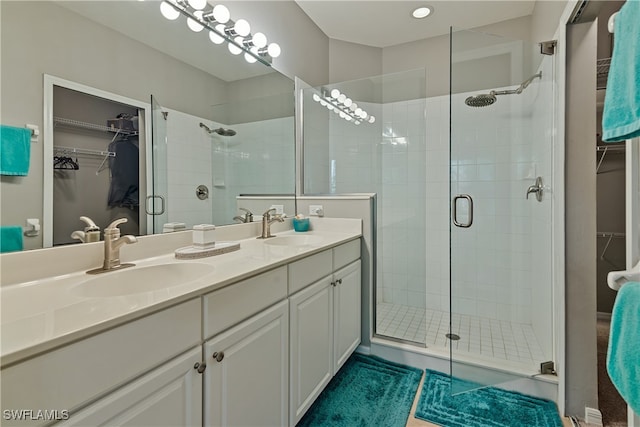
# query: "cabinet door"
170 395
311 334
346 307
248 383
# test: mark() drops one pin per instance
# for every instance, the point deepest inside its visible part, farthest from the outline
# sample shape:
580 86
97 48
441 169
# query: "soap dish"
192 252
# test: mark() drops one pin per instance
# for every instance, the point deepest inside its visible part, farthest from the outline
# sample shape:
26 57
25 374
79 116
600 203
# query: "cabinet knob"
339 281
333 284
200 367
218 355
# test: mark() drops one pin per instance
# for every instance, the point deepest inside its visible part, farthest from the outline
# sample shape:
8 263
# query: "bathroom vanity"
251 338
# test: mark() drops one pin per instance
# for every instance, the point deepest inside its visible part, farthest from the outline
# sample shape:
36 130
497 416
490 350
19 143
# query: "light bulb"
235 50
330 107
242 27
342 98
348 102
274 50
221 14
216 38
348 117
358 111
323 102
336 110
249 58
342 114
353 106
316 97
168 11
259 40
364 114
357 122
198 4
372 119
335 93
194 25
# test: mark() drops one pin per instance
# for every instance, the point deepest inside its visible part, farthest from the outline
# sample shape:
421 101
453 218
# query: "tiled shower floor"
509 341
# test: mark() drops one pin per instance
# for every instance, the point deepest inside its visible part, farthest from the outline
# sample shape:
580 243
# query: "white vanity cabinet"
84 372
246 328
246 382
325 321
170 395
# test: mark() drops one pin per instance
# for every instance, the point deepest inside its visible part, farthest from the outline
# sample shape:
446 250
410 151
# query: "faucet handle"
116 223
246 210
268 213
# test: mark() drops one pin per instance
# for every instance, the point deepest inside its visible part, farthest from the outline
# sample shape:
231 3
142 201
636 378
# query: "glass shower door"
156 203
501 106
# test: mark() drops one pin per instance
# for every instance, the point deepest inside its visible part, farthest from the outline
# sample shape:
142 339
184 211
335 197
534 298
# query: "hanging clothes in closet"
124 186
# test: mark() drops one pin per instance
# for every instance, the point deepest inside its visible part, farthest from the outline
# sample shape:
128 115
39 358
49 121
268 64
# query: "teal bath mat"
484 407
367 391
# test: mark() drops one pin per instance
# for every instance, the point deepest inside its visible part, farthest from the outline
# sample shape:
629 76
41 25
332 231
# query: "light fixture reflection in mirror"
221 28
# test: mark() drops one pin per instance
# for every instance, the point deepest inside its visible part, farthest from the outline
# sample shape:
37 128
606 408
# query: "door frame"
146 169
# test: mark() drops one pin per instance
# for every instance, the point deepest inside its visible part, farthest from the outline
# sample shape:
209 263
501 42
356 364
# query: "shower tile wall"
227 165
492 160
241 163
188 165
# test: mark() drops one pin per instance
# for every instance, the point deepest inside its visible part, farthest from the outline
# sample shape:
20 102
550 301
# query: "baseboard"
603 316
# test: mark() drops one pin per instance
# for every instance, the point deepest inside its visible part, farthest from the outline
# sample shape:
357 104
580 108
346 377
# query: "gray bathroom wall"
580 227
305 48
351 61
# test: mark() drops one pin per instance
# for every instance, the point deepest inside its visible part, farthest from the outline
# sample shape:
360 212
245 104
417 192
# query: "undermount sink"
137 280
293 240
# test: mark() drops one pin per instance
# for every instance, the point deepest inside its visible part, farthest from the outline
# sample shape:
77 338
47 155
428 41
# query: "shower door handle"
152 212
454 211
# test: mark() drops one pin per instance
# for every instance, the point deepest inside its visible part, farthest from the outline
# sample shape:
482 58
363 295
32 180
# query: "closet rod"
84 151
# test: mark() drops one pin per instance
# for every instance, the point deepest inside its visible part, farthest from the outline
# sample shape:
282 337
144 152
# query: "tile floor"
509 341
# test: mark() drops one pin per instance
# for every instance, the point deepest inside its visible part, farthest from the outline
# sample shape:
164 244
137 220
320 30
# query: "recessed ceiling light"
422 12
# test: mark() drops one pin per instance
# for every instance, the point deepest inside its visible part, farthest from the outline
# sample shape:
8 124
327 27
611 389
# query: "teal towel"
621 115
15 150
10 238
623 356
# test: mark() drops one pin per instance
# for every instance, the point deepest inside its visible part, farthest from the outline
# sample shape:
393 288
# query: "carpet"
484 407
367 391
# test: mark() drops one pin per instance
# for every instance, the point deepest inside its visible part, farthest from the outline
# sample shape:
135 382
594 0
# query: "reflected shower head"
482 100
486 99
219 131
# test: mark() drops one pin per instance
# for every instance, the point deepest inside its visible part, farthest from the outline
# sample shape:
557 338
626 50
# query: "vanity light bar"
221 28
342 105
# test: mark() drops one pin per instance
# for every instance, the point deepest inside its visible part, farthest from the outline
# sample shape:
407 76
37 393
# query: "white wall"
227 165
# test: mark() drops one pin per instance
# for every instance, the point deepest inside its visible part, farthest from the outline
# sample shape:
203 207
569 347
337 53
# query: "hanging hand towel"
10 238
621 115
15 150
623 355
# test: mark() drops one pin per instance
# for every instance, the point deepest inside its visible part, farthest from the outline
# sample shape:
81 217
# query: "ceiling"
387 23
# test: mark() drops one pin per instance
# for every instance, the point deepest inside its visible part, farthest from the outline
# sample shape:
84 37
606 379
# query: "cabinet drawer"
72 376
235 303
346 253
308 270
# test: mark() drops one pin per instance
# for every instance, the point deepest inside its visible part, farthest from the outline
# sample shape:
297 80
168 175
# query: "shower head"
486 99
482 100
219 131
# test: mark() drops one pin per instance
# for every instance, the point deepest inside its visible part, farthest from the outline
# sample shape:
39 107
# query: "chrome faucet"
248 216
267 220
112 244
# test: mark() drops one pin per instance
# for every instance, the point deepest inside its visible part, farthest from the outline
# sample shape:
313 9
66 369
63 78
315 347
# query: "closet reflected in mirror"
96 163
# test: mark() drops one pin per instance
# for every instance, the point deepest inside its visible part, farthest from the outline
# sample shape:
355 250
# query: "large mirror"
218 135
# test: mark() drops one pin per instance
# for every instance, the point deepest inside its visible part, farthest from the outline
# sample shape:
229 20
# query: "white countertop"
42 314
